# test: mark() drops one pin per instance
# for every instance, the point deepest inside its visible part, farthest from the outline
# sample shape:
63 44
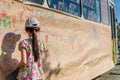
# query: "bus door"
113 30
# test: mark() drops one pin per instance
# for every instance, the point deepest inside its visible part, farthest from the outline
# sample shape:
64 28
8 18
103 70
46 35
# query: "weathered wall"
76 50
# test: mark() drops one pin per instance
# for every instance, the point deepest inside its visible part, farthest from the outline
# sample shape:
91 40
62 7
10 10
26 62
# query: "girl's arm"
23 58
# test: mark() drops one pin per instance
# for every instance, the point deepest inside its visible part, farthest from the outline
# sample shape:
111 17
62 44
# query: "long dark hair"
35 48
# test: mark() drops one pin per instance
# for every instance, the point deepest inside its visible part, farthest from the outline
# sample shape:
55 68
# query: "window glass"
91 10
69 6
35 1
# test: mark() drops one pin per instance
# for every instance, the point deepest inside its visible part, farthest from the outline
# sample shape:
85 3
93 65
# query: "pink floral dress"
32 70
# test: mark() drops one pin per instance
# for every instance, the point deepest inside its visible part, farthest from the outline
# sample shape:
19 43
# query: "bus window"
91 10
69 6
35 1
74 7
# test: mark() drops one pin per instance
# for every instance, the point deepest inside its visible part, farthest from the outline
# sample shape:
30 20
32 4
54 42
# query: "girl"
31 50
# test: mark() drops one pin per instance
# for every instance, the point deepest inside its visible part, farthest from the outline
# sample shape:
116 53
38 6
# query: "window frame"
95 10
112 20
41 3
79 14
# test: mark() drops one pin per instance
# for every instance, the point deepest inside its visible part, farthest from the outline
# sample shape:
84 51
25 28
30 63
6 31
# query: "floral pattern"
32 70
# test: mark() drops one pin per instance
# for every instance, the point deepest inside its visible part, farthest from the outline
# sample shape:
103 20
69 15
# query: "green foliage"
118 35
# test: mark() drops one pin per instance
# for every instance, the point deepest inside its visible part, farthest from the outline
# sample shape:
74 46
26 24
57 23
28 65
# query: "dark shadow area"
47 69
54 71
8 63
114 73
96 78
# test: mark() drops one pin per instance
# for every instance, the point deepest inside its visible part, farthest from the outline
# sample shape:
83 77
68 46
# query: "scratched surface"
76 49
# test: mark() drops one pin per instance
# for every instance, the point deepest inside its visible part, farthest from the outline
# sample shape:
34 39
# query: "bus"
80 36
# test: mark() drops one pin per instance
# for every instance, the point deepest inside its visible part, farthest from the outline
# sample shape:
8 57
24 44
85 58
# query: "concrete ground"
113 74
